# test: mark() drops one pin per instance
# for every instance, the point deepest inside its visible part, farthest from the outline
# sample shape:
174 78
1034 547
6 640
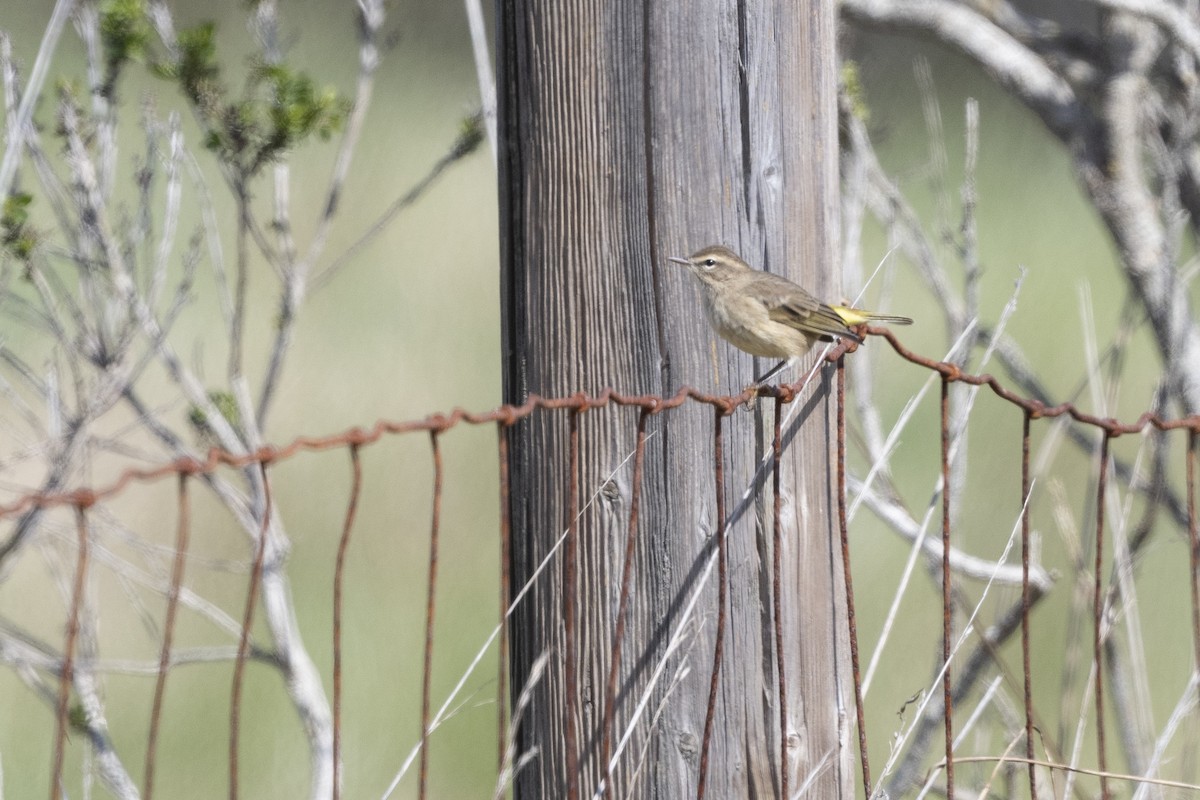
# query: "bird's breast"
745 323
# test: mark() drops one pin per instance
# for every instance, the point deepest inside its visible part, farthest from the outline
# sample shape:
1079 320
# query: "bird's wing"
791 305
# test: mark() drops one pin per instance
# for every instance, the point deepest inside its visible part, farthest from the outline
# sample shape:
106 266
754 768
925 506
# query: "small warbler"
766 314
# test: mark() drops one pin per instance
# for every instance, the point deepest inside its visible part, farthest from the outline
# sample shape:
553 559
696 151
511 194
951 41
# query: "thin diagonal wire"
610 700
1193 544
502 430
239 663
1051 765
430 606
570 562
947 617
848 577
339 573
1025 604
68 662
777 598
722 579
164 659
1097 616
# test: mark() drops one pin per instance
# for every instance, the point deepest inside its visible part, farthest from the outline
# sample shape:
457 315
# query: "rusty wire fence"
1044 773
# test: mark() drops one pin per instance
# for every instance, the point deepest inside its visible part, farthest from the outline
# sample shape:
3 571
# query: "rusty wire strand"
338 591
1036 408
502 430
67 674
1193 544
1026 602
430 608
947 607
164 660
777 595
1098 615
610 699
239 663
848 578
508 414
710 712
569 587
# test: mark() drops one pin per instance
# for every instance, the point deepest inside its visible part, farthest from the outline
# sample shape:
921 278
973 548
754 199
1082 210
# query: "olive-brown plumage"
766 314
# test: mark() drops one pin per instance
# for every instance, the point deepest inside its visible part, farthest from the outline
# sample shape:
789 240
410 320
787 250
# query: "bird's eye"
710 262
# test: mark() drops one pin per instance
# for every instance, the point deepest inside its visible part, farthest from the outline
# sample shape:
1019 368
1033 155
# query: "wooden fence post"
631 131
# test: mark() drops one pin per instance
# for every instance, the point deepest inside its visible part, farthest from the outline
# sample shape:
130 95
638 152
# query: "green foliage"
279 110
125 34
227 406
296 109
470 136
17 236
77 717
851 85
196 69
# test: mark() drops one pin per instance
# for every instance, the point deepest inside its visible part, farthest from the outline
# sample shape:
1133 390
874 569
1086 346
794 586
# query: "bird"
767 315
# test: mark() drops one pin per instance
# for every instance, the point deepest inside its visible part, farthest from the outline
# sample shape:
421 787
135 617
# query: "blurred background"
410 326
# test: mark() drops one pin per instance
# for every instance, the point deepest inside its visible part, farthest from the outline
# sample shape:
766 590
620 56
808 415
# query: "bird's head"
713 264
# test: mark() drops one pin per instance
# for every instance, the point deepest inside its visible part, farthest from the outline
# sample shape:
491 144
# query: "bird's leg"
772 372
762 379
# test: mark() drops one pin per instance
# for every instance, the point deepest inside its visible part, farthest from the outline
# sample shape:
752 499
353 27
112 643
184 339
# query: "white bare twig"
483 70
33 91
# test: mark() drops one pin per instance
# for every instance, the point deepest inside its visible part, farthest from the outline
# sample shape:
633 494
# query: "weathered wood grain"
632 131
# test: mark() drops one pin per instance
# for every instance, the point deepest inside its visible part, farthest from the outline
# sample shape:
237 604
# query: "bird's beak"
679 260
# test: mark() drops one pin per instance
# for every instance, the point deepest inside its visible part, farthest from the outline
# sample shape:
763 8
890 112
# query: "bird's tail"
856 316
